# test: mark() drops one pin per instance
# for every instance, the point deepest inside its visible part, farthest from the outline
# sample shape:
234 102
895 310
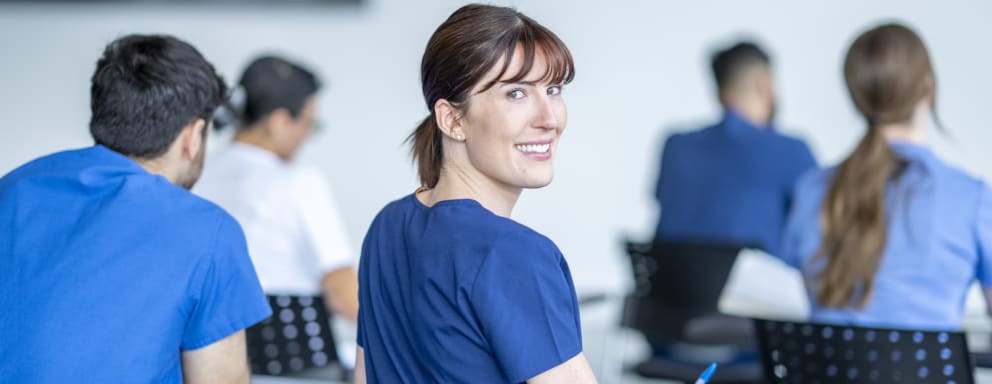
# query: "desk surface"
762 286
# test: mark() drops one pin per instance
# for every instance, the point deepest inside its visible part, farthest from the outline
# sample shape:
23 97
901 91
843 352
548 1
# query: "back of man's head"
270 83
146 89
733 64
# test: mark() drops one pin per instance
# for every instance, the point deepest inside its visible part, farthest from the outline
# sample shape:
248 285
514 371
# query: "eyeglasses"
316 127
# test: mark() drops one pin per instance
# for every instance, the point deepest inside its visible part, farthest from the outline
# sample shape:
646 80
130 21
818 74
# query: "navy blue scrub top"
730 183
453 293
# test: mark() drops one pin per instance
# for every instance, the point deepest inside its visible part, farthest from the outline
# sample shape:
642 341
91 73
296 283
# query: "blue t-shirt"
108 272
453 293
729 184
938 241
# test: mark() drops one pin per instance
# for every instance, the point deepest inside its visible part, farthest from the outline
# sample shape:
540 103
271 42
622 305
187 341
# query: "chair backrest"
296 337
821 353
682 275
674 283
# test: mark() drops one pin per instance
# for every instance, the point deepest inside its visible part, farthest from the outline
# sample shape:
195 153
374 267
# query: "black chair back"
820 353
296 337
675 283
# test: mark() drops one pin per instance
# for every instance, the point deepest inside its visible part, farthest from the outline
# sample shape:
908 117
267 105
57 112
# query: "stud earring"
459 137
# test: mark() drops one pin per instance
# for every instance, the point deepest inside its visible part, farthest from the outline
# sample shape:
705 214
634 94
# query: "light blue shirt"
939 241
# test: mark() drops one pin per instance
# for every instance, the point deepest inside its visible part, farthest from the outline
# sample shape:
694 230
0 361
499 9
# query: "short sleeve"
667 156
983 229
363 283
806 160
525 302
226 294
799 163
323 230
797 222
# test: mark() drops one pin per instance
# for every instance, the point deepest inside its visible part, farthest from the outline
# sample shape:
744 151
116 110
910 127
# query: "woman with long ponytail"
892 236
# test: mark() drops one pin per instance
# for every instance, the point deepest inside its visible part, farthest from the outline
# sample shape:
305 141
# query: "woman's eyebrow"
518 82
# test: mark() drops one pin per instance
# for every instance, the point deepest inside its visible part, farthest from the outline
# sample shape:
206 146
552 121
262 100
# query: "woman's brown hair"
888 73
462 51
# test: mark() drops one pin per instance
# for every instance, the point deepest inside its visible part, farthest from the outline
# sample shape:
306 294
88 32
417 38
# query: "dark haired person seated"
111 271
730 184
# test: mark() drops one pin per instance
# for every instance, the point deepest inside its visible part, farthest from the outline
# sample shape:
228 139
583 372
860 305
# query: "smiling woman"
505 141
450 288
508 51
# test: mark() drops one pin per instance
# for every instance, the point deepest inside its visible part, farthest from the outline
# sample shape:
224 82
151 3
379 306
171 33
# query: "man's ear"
278 119
192 138
768 84
449 119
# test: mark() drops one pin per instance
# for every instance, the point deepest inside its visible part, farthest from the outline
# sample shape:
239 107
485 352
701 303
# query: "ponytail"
426 151
888 72
854 223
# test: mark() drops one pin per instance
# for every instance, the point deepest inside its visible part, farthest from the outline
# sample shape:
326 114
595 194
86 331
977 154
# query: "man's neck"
753 111
156 167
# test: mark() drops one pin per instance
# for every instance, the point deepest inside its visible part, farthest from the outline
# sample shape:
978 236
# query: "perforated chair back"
296 337
819 353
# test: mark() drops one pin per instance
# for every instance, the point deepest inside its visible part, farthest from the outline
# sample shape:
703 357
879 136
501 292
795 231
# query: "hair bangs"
534 39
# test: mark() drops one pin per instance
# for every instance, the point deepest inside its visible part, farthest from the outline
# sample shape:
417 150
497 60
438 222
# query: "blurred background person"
892 236
295 235
721 188
731 183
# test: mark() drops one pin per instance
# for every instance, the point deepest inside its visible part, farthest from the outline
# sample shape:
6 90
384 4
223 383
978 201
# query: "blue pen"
705 377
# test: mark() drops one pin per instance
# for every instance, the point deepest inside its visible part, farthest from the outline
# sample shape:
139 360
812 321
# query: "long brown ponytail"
459 55
888 72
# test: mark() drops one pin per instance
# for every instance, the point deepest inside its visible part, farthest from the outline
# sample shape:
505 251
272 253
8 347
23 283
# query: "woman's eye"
554 90
516 94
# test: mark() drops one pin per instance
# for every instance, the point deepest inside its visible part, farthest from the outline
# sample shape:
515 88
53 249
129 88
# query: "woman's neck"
457 183
913 131
903 133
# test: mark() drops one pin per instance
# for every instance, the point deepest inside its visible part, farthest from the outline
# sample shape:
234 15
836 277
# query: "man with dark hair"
725 186
110 269
731 183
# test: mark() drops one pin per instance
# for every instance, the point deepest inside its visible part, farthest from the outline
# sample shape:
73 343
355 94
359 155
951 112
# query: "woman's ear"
449 119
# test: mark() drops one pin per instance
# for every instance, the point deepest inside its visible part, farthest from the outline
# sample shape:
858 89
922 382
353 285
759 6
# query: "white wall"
642 66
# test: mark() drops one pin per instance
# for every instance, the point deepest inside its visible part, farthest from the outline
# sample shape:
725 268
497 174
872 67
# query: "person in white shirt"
295 236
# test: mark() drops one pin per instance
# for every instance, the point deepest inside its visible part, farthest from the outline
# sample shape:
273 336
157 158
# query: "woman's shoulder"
518 244
516 232
955 183
503 232
960 177
814 181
